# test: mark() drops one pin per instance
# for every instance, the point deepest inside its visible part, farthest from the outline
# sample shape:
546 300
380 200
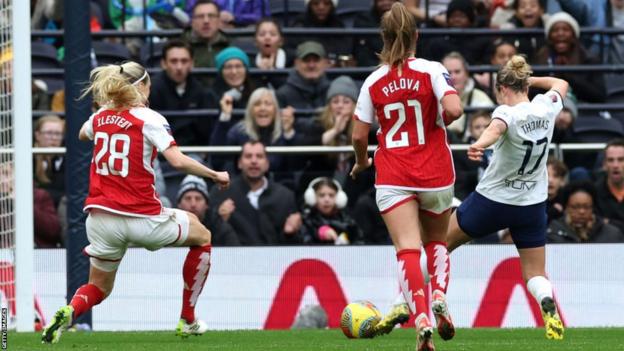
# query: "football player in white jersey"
515 184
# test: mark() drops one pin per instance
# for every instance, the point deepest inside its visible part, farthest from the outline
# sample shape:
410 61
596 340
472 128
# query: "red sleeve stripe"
450 92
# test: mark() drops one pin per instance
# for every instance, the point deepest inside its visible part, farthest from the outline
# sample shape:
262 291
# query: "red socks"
86 297
438 265
195 271
411 280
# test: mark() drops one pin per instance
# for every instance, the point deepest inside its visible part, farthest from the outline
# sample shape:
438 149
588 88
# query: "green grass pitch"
333 339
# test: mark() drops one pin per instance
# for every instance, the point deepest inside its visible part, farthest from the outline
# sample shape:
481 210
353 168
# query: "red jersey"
125 145
412 151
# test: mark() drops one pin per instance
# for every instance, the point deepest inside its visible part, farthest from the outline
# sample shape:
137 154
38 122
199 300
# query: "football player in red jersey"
123 204
413 99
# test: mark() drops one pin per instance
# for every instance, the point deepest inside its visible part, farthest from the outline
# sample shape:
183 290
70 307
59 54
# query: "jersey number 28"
113 148
404 139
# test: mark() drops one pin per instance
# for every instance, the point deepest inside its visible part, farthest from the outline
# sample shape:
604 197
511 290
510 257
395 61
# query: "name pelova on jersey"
401 84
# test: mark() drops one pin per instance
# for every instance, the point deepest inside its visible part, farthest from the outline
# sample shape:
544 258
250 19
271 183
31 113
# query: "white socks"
540 288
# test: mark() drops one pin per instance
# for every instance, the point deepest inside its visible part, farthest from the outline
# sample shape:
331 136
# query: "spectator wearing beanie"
193 197
563 47
234 84
460 14
331 128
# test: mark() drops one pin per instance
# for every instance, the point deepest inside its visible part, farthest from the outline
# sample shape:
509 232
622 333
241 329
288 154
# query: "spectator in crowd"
470 95
263 122
367 216
50 169
468 172
40 97
322 14
193 197
47 227
241 13
563 132
615 18
174 88
269 41
365 48
610 188
306 86
557 179
460 14
580 224
563 47
233 85
332 127
324 220
528 14
436 16
204 36
501 51
261 211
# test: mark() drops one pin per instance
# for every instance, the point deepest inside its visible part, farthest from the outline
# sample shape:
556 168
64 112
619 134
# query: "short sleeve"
158 132
503 113
364 110
551 100
441 81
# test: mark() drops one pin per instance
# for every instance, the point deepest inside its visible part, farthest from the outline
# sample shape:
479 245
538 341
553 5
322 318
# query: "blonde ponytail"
115 86
398 32
515 74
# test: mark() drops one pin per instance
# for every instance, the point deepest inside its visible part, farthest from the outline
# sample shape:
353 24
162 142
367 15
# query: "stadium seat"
151 53
110 53
247 44
348 9
284 16
597 129
43 56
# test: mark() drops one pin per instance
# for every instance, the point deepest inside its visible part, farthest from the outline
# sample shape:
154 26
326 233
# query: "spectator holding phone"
233 85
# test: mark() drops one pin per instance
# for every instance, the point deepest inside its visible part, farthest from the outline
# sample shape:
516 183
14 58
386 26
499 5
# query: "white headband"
140 79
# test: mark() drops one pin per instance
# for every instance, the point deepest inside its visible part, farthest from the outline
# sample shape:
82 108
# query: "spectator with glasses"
580 223
204 36
50 169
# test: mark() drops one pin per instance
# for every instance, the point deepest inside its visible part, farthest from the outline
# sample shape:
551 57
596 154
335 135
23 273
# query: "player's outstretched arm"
359 138
550 83
451 104
82 135
185 164
490 135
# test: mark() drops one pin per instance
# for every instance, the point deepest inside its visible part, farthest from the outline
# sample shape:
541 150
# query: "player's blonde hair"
398 32
116 85
515 74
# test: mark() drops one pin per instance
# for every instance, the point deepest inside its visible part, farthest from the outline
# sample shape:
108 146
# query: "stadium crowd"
287 199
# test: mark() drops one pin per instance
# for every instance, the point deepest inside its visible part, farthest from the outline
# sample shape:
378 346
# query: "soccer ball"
359 319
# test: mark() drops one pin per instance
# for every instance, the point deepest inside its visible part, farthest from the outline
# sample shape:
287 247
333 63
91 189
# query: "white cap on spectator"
335 2
563 17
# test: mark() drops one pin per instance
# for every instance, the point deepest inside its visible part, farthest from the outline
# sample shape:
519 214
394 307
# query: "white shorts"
109 235
434 202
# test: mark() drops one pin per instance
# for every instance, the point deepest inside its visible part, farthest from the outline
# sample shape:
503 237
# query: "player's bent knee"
198 233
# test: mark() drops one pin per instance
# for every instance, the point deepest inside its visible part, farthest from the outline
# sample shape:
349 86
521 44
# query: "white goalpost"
16 187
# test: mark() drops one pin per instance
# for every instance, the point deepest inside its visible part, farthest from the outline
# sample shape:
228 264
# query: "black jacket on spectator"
435 48
367 215
608 205
340 221
300 93
528 44
194 130
222 232
365 48
264 226
560 232
334 46
586 86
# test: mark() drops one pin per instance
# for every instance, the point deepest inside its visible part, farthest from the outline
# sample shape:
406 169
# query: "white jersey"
517 172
